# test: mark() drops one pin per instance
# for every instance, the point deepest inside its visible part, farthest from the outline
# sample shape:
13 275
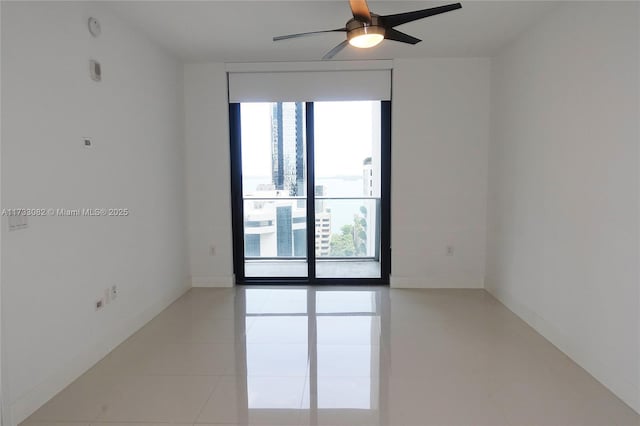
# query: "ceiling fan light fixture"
367 29
366 37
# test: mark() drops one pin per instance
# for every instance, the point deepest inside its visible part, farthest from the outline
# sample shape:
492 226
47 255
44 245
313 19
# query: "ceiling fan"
366 29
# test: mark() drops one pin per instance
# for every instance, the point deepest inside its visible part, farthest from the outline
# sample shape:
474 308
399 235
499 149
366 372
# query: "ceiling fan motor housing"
356 28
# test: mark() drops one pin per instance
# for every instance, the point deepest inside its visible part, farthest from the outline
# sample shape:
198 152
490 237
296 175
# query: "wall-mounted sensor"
95 70
94 27
86 142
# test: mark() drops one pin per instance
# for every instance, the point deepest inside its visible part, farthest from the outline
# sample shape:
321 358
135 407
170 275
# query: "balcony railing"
276 228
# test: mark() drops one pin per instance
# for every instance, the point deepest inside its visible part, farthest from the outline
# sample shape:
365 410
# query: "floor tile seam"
94 418
184 342
304 386
102 375
53 421
275 376
344 376
213 390
138 422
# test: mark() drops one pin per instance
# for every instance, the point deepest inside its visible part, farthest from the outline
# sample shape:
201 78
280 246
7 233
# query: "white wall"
54 271
564 186
208 175
439 172
438 177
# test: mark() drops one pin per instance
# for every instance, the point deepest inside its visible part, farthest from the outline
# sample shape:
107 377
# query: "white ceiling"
242 31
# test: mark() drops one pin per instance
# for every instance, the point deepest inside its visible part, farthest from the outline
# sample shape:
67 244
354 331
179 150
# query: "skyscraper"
367 177
287 147
288 172
323 224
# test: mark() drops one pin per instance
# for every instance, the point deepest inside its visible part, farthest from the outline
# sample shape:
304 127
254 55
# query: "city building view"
275 216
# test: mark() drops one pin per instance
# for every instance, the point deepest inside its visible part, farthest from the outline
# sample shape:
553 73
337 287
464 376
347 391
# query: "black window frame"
237 205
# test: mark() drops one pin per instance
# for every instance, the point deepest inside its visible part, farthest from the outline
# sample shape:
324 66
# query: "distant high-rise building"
322 224
284 228
287 147
323 233
288 172
274 228
319 192
367 177
370 189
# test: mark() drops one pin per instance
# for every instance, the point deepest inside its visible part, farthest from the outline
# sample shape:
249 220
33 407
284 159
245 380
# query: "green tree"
342 244
352 241
360 235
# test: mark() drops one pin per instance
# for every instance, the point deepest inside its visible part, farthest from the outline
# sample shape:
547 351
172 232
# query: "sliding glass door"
310 185
347 189
274 188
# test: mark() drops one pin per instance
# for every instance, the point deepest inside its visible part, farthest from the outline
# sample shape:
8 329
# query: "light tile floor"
324 268
335 356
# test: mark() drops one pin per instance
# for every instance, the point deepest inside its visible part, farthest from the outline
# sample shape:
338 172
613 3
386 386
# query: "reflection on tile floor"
324 268
335 356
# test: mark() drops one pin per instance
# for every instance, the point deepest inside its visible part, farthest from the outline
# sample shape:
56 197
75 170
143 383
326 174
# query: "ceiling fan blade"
360 10
393 34
403 18
285 37
333 52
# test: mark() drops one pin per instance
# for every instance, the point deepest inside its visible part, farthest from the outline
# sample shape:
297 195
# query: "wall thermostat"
94 27
95 70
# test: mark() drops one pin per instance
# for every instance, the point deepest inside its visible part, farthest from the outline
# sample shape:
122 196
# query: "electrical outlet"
449 250
212 250
114 292
99 304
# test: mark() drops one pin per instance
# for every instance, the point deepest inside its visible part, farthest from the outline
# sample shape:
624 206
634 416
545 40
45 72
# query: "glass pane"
273 186
347 141
273 149
347 228
347 189
275 228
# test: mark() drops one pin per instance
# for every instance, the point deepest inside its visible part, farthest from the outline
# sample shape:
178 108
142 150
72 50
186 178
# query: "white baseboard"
214 282
432 283
623 389
28 403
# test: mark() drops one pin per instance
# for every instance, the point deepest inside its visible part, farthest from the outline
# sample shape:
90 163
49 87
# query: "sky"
343 137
